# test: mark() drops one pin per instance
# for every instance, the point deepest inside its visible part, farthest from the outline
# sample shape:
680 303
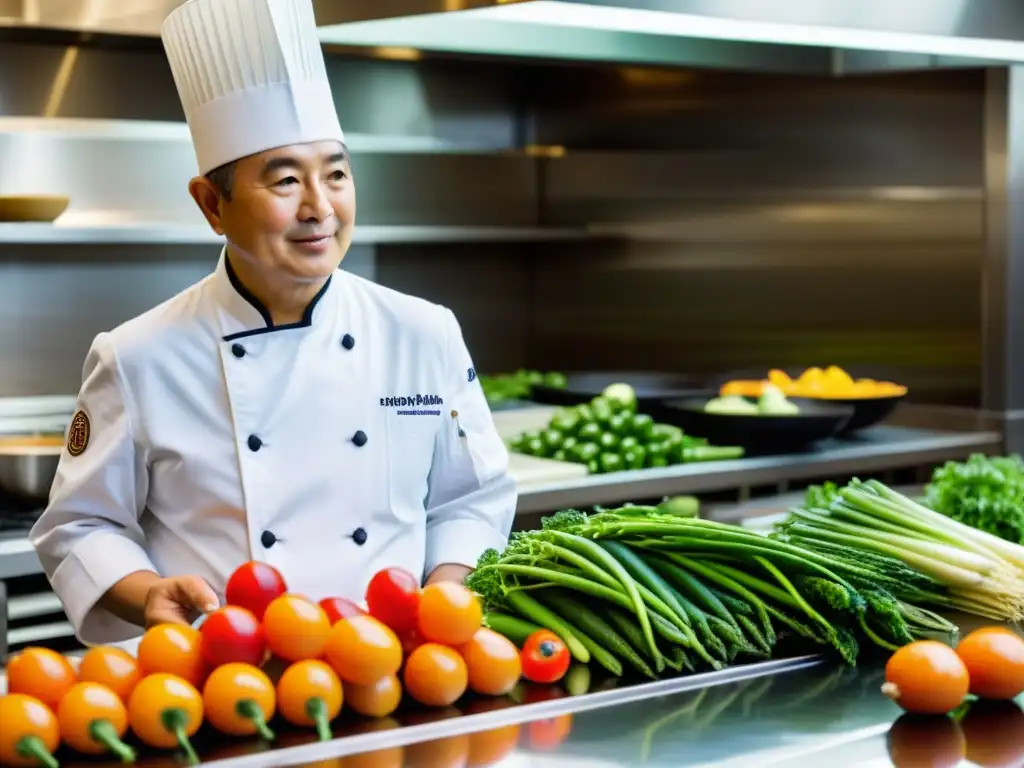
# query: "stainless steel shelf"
17 557
193 234
873 450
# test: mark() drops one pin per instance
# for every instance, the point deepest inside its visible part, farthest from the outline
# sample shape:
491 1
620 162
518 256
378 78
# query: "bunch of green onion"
869 525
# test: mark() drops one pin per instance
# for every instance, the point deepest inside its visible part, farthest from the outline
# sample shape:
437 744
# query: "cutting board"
512 423
530 470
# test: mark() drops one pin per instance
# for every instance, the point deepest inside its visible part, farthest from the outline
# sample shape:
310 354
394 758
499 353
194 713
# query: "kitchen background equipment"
651 387
758 434
28 470
26 208
867 411
31 439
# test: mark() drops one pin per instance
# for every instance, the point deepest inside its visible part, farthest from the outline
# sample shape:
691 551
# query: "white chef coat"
356 439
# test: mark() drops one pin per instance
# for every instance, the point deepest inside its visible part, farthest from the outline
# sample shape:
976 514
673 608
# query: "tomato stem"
105 733
174 720
250 710
33 747
317 711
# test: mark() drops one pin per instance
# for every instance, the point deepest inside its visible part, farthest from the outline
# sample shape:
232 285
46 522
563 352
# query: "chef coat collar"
248 315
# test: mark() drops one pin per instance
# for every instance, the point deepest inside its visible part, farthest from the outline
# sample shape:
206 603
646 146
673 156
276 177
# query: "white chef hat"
250 75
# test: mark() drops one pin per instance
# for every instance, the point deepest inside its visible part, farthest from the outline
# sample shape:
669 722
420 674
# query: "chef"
280 409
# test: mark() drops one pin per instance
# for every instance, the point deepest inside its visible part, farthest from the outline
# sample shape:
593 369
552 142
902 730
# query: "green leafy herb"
982 492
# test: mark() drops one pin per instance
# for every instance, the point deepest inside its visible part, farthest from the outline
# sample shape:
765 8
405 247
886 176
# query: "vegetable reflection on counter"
636 588
989 734
876 537
609 435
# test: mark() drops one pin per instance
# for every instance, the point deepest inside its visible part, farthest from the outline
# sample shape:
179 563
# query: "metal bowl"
28 464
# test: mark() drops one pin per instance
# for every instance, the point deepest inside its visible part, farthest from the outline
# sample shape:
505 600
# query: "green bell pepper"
552 439
641 427
589 433
628 443
566 422
621 424
634 457
611 462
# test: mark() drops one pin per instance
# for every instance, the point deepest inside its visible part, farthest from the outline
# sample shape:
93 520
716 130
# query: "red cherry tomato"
393 598
254 586
232 635
545 657
338 608
411 640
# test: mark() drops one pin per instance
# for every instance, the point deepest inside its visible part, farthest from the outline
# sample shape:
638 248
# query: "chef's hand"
146 598
179 600
449 572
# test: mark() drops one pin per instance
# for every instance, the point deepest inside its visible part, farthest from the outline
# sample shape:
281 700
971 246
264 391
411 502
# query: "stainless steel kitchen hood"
778 35
132 18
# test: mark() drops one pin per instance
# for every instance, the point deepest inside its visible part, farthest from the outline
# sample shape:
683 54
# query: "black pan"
758 435
651 387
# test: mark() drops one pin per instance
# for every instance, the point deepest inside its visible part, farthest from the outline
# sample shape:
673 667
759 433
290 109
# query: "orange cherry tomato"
296 628
936 742
548 734
995 734
448 752
449 613
239 699
165 711
493 663
172 649
378 699
390 757
362 650
495 744
93 720
112 667
435 675
42 674
309 694
926 677
995 662
30 734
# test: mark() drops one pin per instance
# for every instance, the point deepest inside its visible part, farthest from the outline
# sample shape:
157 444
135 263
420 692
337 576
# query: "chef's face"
289 212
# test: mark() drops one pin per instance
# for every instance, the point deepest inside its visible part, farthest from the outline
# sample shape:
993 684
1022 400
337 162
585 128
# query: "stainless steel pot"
28 470
31 439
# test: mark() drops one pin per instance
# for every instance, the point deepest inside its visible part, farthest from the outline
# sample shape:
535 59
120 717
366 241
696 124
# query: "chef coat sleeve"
89 536
471 500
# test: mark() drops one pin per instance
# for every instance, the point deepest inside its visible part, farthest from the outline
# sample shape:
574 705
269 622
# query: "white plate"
43 405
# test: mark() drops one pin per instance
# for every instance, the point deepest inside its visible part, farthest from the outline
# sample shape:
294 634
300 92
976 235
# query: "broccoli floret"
486 580
568 520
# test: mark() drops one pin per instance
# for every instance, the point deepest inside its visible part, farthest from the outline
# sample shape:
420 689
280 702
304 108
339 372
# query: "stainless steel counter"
799 713
873 450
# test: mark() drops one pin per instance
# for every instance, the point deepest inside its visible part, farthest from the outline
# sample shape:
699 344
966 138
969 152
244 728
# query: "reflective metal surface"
137 17
1003 268
812 37
822 714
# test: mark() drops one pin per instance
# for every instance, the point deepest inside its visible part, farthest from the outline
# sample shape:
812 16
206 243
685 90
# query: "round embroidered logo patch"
78 434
